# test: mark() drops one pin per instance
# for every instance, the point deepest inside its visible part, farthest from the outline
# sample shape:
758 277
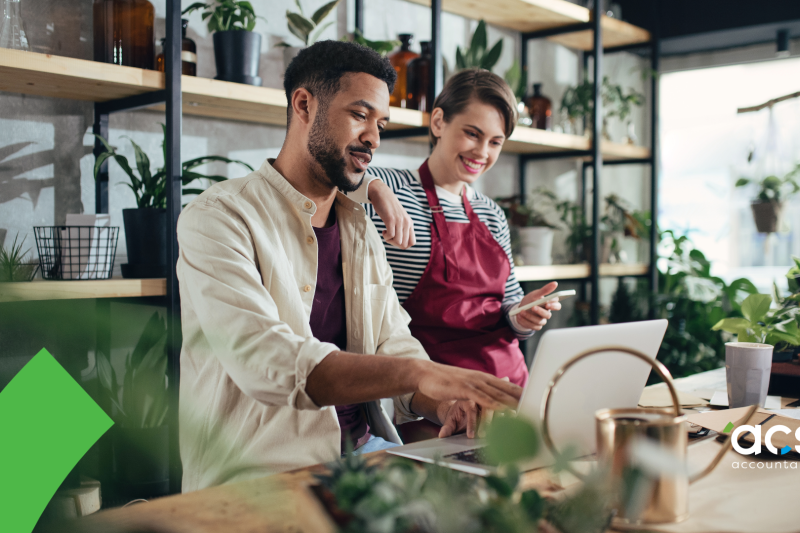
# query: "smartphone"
552 297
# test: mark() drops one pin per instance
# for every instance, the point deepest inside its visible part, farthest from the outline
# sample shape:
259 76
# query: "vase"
400 60
123 32
237 54
540 109
630 134
419 79
767 216
146 241
536 245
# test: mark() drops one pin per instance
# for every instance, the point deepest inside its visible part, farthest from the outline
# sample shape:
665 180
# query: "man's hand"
445 383
458 416
399 226
536 317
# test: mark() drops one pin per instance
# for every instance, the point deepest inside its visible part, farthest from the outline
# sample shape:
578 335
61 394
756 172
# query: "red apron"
456 308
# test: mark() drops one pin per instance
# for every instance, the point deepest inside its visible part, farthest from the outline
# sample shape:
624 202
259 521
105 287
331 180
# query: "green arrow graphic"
47 423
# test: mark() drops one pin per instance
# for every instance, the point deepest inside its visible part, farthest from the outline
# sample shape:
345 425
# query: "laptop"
607 380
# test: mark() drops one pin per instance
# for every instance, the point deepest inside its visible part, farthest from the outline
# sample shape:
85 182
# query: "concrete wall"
45 144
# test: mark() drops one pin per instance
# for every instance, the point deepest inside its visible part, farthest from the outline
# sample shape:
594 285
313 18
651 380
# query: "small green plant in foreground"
14 265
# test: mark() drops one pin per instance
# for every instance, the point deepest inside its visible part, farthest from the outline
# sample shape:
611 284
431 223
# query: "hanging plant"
767 206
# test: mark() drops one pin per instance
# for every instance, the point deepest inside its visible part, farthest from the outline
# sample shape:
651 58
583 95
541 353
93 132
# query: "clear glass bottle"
399 61
12 28
123 32
188 53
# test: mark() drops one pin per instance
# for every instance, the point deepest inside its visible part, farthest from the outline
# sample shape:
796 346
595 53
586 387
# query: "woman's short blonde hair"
483 86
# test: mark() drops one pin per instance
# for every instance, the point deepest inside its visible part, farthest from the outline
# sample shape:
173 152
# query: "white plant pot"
536 245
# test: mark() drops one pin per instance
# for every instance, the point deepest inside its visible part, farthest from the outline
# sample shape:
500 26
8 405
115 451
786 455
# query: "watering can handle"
660 369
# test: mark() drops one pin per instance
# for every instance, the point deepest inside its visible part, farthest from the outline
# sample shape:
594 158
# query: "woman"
457 281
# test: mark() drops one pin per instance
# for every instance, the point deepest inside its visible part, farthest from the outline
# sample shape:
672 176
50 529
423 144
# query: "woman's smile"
472 166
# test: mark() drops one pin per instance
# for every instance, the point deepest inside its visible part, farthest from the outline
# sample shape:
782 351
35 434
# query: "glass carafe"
12 29
400 60
123 32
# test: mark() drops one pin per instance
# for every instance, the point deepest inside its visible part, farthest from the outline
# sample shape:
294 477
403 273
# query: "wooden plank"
615 33
581 271
518 15
82 289
536 15
617 151
76 79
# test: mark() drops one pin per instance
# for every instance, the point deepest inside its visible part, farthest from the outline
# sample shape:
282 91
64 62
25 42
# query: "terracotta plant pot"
767 216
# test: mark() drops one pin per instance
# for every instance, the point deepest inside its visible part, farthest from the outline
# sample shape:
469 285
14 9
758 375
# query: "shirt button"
310 239
307 205
307 288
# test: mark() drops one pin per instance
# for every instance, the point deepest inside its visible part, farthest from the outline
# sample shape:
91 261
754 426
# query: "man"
287 301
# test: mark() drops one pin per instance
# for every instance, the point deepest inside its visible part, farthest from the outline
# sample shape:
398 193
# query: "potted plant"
139 410
620 222
534 232
761 323
146 225
768 204
477 55
308 30
578 103
620 105
14 265
237 49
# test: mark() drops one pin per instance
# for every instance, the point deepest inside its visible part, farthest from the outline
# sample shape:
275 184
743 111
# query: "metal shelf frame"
172 97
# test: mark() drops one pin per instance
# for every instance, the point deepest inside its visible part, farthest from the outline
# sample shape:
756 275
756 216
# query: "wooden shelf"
565 272
527 140
536 15
78 79
82 289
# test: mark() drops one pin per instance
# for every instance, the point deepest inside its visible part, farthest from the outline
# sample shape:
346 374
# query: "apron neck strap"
440 223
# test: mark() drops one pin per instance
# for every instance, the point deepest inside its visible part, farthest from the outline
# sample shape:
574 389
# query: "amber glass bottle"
540 109
419 79
188 53
123 32
399 61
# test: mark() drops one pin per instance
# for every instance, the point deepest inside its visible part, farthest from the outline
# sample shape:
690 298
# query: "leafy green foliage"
517 78
226 15
760 323
382 47
773 188
150 188
309 30
403 497
477 55
14 265
578 101
693 301
141 401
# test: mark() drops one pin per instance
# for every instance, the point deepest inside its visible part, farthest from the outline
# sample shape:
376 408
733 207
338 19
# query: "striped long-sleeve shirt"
409 265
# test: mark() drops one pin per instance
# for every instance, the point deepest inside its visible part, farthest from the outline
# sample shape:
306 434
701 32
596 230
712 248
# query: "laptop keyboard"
475 456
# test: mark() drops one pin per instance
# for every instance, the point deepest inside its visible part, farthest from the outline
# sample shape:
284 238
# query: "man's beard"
325 152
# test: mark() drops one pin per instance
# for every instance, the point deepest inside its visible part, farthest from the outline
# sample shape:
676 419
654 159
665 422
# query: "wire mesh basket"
76 252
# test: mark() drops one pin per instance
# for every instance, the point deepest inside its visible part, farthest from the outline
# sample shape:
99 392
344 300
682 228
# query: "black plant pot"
146 240
237 54
141 461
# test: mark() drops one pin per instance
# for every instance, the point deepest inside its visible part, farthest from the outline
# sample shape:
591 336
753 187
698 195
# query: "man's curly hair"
320 67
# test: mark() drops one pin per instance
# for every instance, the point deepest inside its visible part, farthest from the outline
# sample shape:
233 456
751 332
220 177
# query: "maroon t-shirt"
328 319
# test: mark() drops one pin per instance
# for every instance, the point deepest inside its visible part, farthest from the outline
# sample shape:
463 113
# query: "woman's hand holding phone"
536 317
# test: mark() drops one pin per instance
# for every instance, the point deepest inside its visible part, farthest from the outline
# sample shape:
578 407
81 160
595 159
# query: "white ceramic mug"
747 367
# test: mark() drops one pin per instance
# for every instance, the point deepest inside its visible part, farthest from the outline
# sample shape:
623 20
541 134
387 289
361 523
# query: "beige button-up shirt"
247 272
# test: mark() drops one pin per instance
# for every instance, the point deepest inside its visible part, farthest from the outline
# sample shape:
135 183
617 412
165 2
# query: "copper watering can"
619 429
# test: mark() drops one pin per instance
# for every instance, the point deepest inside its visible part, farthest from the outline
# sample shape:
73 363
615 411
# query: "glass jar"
188 53
123 32
399 61
540 109
419 80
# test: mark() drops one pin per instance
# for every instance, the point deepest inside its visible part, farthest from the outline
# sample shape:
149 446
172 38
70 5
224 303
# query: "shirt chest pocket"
377 296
